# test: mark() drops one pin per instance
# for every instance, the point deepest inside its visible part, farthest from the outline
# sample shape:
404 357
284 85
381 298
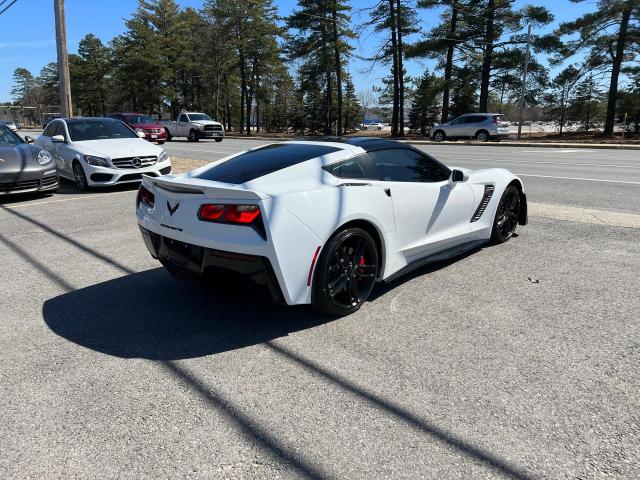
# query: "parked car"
24 167
481 126
10 125
373 126
48 117
321 222
153 131
194 126
96 152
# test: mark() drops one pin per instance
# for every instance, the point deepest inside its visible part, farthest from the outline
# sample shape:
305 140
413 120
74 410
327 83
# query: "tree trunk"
562 109
394 48
488 57
448 67
400 70
615 71
243 93
336 52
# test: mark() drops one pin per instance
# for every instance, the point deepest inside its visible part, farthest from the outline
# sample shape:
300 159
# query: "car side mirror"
58 139
141 134
457 176
28 139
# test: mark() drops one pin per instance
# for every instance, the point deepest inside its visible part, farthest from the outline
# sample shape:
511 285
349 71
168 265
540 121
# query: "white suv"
481 126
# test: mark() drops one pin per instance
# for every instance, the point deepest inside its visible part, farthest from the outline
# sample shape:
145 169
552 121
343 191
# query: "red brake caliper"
361 262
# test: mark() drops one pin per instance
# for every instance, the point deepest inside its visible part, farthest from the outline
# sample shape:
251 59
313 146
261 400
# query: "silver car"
481 126
9 124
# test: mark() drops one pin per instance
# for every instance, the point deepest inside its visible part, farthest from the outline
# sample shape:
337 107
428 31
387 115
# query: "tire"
346 272
161 142
79 177
218 140
169 137
483 136
193 136
439 136
507 214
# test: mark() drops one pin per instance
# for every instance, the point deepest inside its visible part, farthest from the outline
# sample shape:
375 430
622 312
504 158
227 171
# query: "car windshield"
135 119
8 138
199 116
102 129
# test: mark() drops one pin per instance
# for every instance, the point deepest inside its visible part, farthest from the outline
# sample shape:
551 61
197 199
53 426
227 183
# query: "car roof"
366 143
82 119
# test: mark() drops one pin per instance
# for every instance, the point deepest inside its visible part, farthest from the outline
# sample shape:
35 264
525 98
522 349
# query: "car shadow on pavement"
151 315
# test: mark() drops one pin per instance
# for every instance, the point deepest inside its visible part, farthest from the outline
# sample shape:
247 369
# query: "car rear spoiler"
208 188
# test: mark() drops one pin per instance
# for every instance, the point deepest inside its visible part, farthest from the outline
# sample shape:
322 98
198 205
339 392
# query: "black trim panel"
204 261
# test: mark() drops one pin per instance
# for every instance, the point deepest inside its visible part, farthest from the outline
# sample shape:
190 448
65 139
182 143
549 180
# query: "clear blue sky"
27 34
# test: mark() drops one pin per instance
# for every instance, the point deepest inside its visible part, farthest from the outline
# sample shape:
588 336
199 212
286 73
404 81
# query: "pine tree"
610 36
425 107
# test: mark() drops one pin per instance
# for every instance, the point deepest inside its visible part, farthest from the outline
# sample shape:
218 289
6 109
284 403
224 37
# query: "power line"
7 7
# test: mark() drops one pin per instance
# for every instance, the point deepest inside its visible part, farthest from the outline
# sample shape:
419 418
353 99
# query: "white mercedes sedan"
96 152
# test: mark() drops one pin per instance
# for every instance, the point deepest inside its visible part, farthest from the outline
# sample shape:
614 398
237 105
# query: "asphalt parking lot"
517 361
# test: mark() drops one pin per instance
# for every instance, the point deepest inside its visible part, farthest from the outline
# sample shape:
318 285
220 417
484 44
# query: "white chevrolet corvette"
321 221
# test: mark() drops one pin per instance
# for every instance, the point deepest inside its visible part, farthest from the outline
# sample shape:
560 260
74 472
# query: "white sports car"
321 221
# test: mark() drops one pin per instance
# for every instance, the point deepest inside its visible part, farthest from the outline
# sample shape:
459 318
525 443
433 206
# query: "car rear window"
264 160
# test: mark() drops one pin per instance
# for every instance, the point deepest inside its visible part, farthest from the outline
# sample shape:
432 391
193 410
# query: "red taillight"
146 197
244 214
241 213
210 212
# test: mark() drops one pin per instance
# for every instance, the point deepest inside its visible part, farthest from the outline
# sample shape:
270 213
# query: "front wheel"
507 214
218 139
346 272
439 136
169 137
193 136
79 177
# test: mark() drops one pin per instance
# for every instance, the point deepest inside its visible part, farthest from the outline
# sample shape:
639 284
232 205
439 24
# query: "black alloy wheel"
346 272
79 177
507 214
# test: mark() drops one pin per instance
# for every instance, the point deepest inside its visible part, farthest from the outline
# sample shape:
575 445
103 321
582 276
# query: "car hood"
205 122
18 157
116 148
145 125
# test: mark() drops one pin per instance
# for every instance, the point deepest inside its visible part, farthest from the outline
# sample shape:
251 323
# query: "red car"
153 131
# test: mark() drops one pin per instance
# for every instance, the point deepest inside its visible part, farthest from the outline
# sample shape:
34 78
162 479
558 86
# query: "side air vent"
488 192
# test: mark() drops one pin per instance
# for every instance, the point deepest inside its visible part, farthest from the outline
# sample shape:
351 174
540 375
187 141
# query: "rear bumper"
204 261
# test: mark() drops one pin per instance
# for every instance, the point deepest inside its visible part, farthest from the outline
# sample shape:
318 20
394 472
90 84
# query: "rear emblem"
173 209
136 162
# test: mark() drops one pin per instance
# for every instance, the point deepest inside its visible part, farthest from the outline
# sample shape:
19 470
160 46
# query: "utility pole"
524 82
63 59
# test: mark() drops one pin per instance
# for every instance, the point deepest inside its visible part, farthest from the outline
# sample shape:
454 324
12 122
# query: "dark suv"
153 131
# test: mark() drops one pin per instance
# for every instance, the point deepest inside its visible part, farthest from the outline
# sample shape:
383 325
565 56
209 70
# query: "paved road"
604 179
113 369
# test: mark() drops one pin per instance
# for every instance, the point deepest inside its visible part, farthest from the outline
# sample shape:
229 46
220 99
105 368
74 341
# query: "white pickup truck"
194 126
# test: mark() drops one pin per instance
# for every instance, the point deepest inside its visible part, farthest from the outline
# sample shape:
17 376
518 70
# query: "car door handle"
387 191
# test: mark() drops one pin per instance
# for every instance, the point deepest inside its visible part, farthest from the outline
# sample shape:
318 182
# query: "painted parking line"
578 179
61 200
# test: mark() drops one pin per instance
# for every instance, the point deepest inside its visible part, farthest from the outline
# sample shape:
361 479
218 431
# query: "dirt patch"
181 165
